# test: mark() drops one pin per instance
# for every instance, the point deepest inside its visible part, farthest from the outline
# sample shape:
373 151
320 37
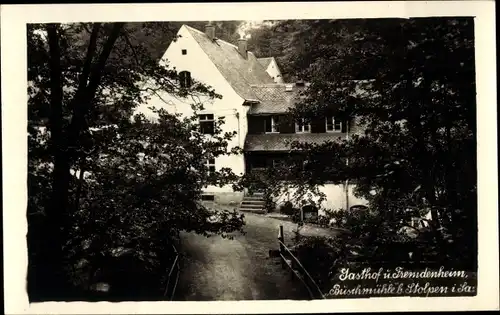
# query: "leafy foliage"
406 89
275 39
102 177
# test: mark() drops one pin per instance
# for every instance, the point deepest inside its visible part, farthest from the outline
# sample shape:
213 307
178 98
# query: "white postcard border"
14 122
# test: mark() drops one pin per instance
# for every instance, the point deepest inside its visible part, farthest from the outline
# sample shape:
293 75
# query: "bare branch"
156 93
95 76
132 47
90 55
83 99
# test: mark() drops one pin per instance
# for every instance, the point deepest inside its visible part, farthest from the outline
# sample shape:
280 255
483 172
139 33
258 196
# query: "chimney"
210 31
242 47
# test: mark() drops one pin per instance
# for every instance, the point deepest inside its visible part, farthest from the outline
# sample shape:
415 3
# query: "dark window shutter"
276 123
318 125
267 124
185 79
182 81
346 125
287 125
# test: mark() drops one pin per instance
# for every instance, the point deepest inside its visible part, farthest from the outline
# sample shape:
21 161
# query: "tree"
274 39
411 84
99 173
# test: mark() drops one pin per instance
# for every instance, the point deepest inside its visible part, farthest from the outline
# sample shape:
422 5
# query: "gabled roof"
238 71
265 61
281 141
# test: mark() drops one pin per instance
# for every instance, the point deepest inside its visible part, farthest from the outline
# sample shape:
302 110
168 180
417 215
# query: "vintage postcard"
227 157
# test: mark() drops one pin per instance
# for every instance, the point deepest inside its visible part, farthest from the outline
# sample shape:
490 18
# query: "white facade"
186 54
274 71
230 106
335 197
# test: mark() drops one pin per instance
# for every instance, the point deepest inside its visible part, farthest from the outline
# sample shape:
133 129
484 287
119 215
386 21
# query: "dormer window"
333 125
271 124
302 126
185 79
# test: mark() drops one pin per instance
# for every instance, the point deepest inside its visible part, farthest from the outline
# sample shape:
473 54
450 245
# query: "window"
211 166
277 163
259 162
185 79
207 124
184 52
271 124
333 125
301 126
207 197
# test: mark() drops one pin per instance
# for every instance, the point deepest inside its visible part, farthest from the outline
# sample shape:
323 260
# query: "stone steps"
254 203
256 198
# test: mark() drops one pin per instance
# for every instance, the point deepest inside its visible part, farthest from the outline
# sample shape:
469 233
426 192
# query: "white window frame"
206 119
211 164
331 119
274 125
277 163
298 128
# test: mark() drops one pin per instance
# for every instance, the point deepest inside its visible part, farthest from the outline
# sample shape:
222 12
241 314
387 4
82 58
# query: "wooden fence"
288 260
172 277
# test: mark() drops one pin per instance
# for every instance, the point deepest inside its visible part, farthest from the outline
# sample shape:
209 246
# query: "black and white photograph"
254 159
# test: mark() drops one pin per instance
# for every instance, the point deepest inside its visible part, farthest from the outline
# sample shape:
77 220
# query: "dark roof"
238 71
265 61
281 142
274 98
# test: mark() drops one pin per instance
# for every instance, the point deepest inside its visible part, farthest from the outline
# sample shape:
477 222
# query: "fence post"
281 238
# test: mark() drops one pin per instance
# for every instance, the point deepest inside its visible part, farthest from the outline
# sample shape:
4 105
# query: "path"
240 269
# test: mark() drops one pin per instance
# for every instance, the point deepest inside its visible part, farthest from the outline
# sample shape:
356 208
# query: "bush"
321 257
270 205
288 209
144 261
324 221
367 239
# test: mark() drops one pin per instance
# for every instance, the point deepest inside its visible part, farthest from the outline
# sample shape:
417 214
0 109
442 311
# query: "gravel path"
240 269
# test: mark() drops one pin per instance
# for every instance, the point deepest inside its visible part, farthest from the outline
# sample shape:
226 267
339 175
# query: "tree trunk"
64 151
423 158
50 267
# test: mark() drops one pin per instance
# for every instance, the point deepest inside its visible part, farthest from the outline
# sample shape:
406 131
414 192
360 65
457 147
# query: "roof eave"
250 102
267 113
